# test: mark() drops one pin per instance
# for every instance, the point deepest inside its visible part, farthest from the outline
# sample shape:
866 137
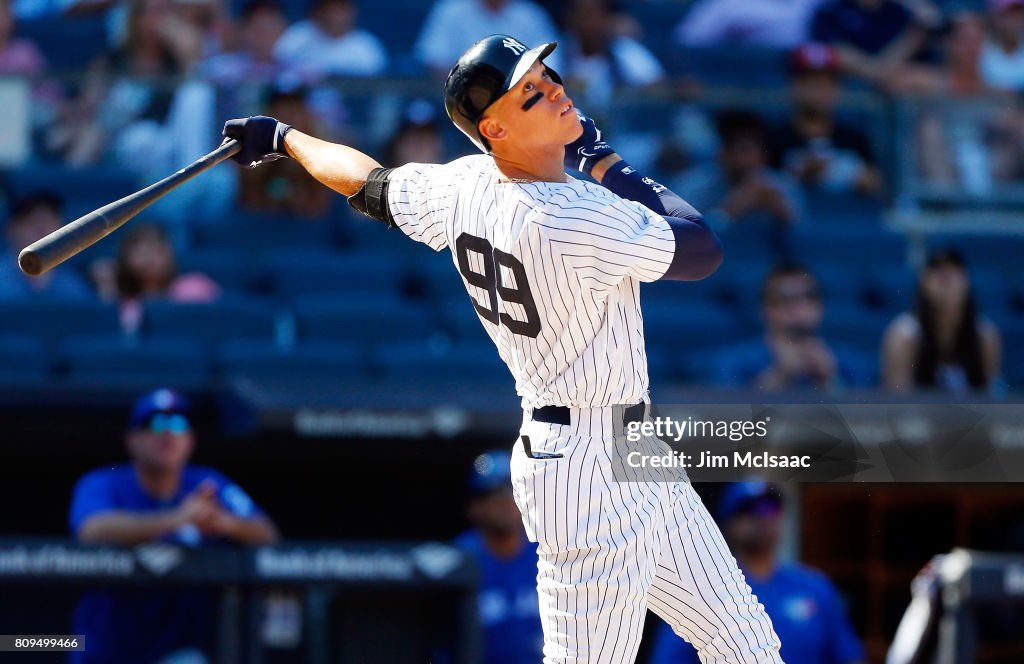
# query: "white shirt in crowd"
305 48
1000 69
767 23
452 26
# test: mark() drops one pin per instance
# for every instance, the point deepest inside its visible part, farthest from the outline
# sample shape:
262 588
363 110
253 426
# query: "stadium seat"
729 66
96 185
52 320
114 362
888 289
842 210
473 362
23 361
853 247
222 264
228 318
361 319
302 272
68 42
266 361
687 328
855 327
261 233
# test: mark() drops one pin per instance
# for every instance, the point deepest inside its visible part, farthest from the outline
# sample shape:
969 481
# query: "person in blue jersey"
805 608
157 497
507 562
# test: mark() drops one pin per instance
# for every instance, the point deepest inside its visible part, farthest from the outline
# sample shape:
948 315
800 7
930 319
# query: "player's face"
756 532
165 444
816 90
536 112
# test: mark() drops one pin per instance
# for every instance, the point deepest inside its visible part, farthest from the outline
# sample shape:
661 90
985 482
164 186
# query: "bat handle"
72 238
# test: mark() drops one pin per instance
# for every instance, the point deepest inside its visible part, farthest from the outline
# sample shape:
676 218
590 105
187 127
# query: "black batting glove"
588 149
262 139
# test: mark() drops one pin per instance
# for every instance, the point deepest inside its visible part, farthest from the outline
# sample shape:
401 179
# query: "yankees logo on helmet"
514 46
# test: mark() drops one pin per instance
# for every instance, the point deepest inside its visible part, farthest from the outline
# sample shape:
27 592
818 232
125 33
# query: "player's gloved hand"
262 139
588 149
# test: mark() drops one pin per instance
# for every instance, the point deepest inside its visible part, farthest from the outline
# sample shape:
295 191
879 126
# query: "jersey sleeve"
846 647
604 239
92 494
417 194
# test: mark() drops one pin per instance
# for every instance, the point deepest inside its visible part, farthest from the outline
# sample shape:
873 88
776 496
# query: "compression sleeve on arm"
698 251
372 197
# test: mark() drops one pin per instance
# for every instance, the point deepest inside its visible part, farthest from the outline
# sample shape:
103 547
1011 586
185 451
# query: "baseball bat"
87 230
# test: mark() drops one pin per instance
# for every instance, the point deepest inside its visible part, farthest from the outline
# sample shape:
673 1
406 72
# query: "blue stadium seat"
465 362
854 247
855 327
396 23
23 361
263 233
460 319
728 66
228 318
994 252
97 185
67 42
686 328
439 277
266 361
51 320
303 272
888 289
225 266
361 319
111 361
1013 349
841 209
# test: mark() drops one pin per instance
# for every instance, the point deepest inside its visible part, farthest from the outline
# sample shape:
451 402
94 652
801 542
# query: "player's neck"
533 167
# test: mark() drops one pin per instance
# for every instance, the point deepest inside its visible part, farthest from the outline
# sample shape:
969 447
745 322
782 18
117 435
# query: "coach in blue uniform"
157 497
507 562
805 608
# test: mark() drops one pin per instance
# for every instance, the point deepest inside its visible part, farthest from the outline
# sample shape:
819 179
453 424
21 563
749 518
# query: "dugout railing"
386 601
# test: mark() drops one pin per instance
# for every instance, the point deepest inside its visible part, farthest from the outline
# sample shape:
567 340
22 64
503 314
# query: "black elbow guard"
372 197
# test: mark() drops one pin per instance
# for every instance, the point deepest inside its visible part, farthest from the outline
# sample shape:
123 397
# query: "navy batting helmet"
489 69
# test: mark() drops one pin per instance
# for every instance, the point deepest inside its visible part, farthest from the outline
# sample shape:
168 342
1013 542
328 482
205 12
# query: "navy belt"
561 414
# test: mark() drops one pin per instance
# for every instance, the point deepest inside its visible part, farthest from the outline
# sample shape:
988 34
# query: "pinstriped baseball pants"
610 549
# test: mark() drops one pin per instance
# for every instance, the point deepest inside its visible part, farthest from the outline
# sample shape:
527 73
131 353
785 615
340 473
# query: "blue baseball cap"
163 401
490 472
750 496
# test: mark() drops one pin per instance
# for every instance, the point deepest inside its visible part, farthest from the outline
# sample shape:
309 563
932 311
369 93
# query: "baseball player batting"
553 266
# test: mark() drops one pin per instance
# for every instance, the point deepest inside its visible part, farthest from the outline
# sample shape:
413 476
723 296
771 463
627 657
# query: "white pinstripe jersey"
553 270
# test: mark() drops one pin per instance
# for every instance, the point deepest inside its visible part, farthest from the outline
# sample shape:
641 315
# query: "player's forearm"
698 252
128 528
337 166
255 531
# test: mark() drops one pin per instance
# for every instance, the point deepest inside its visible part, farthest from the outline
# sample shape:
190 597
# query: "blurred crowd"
150 95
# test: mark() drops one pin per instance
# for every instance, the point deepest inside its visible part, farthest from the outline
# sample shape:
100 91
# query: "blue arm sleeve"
845 645
698 251
92 495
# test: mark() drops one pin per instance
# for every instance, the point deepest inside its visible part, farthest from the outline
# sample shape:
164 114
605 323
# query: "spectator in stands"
32 218
959 70
740 189
254 62
806 609
597 60
158 497
814 146
778 24
943 344
1002 58
330 44
452 26
792 354
873 36
144 269
417 139
284 187
18 57
507 563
